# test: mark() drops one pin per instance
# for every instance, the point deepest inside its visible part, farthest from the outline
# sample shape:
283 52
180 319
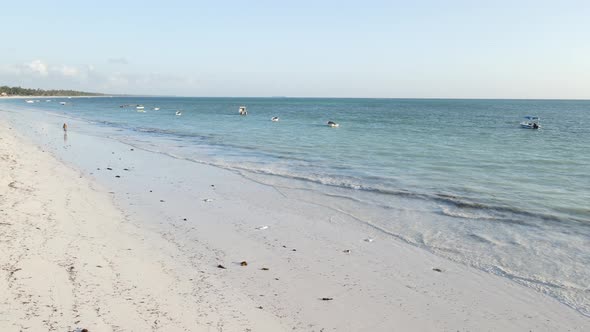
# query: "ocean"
459 178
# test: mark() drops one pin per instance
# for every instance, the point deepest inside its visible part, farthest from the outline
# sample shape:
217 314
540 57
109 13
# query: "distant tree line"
18 91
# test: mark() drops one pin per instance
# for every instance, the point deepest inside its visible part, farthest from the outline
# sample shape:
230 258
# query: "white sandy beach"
71 259
84 248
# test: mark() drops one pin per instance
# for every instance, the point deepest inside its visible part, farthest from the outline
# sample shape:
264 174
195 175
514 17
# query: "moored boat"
531 122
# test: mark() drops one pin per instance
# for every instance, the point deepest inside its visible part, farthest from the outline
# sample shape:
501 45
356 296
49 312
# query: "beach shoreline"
196 217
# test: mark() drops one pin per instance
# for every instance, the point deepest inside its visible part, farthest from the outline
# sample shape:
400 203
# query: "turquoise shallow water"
457 177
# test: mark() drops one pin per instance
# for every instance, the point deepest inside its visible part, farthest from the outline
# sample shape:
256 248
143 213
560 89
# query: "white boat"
178 113
29 101
139 107
243 110
531 122
333 124
275 119
48 100
156 108
62 102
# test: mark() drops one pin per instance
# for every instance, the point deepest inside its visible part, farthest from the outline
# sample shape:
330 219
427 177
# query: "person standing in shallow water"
65 127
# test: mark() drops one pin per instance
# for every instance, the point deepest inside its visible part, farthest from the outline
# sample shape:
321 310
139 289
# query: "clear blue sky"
422 49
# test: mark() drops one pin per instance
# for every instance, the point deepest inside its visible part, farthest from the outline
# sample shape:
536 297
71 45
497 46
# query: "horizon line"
123 95
329 97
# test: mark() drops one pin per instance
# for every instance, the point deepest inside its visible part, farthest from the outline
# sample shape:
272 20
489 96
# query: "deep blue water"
457 177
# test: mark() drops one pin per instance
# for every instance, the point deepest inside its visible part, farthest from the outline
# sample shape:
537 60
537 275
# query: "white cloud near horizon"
38 67
41 74
69 71
118 61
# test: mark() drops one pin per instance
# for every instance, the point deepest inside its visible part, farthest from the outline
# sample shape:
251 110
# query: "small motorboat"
139 107
29 101
62 102
178 113
156 108
531 122
275 119
243 110
333 124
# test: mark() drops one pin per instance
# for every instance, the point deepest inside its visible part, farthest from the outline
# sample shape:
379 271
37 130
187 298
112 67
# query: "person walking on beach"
65 127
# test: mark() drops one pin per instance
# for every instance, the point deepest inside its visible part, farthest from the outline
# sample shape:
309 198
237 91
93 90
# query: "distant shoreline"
48 97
